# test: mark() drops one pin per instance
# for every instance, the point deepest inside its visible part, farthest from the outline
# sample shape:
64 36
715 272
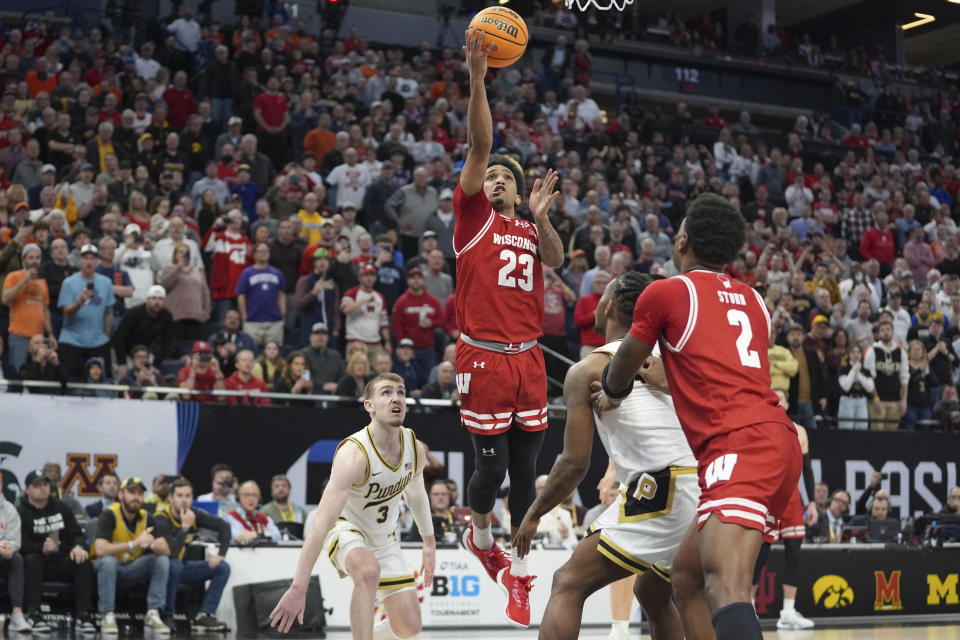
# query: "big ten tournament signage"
918 467
865 580
87 437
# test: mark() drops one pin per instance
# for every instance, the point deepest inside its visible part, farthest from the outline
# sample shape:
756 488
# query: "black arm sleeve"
808 483
864 499
221 526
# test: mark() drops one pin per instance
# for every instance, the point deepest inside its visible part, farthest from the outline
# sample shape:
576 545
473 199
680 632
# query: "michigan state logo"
11 484
832 592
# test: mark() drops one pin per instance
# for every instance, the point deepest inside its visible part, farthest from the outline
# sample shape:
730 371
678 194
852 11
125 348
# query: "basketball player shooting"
640 532
356 521
499 306
715 333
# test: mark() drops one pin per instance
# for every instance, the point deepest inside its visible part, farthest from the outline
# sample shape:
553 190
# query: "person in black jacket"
43 363
54 548
178 525
148 324
808 390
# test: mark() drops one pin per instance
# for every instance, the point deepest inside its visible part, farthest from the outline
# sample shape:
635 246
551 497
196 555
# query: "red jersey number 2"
748 357
508 276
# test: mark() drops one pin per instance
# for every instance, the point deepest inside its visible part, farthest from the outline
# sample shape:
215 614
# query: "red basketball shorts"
789 525
748 474
498 390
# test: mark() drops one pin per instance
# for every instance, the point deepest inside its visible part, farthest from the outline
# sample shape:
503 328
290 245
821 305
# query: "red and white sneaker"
517 589
492 560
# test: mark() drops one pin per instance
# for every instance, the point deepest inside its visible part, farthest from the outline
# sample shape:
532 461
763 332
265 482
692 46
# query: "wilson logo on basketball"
506 28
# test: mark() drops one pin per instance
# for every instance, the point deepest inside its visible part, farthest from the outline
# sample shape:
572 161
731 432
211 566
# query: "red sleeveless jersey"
499 273
714 334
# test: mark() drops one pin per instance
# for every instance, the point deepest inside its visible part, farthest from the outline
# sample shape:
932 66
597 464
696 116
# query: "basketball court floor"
885 632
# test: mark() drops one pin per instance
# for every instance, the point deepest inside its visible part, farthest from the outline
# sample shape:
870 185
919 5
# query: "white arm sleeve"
416 498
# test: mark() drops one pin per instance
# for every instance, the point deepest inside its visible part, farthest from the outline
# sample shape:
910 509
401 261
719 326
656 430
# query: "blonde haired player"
356 520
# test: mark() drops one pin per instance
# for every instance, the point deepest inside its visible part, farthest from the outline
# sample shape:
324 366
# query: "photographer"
43 363
141 373
224 488
202 374
136 258
86 301
866 498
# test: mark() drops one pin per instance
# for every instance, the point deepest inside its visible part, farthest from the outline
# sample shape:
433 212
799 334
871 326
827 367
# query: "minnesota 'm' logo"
832 592
888 592
942 591
77 472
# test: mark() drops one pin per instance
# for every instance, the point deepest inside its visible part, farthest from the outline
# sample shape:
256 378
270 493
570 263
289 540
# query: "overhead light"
924 18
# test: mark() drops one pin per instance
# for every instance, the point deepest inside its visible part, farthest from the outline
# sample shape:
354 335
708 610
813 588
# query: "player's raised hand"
525 534
476 54
542 195
290 608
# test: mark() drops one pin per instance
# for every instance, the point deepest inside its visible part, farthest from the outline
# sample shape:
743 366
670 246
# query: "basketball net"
603 5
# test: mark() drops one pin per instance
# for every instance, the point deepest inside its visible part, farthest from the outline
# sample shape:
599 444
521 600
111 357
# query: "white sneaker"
19 623
108 625
794 620
153 622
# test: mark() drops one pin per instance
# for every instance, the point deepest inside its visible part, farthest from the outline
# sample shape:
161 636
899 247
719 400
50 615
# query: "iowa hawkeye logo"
832 592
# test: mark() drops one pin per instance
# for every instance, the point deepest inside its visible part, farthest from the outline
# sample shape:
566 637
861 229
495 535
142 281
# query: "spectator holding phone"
86 301
28 299
202 374
295 379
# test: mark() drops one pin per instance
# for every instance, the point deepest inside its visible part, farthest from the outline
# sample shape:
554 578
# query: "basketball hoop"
602 5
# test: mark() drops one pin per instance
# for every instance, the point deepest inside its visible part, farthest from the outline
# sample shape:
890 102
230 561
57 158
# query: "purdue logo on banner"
888 591
942 591
832 592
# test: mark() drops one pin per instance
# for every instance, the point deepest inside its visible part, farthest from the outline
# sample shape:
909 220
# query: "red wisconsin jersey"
713 333
499 273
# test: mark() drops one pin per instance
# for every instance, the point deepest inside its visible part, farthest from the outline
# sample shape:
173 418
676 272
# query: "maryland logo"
888 592
832 592
76 472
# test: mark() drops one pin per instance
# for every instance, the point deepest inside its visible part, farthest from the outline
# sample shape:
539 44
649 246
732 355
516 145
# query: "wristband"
130 545
611 394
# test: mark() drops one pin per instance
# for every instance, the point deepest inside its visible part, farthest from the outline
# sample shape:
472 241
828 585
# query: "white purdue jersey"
643 434
374 504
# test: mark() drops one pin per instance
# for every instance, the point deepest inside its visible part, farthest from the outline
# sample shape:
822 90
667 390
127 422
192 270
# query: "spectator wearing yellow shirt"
311 217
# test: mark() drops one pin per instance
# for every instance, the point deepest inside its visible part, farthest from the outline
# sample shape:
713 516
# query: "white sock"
788 605
518 567
620 627
482 537
17 616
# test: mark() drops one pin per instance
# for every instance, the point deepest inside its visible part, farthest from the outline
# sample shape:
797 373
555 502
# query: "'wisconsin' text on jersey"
516 241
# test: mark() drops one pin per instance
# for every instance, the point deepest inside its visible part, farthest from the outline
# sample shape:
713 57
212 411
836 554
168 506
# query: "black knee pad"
491 460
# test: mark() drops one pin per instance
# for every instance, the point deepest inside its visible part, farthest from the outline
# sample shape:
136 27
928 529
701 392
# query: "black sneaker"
168 620
39 626
86 625
206 623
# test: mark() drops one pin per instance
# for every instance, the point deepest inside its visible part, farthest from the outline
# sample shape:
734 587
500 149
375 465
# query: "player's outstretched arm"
542 197
349 468
415 495
620 373
479 120
572 465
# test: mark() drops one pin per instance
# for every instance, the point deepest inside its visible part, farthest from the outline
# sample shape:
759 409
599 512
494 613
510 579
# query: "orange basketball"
507 29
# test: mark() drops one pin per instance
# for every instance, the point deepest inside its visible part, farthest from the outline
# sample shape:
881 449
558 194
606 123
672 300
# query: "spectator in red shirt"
179 101
713 119
416 314
877 241
243 380
203 374
584 312
450 318
856 138
232 253
272 116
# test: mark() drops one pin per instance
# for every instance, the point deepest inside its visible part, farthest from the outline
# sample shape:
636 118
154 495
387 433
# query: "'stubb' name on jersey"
729 297
516 241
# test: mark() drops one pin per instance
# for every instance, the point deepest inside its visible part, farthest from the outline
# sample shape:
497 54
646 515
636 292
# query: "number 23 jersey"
499 273
713 334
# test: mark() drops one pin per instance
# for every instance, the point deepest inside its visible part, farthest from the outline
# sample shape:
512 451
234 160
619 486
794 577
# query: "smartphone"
89 286
305 375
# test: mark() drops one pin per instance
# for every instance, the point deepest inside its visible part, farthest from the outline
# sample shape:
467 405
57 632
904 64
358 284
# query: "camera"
204 357
225 482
